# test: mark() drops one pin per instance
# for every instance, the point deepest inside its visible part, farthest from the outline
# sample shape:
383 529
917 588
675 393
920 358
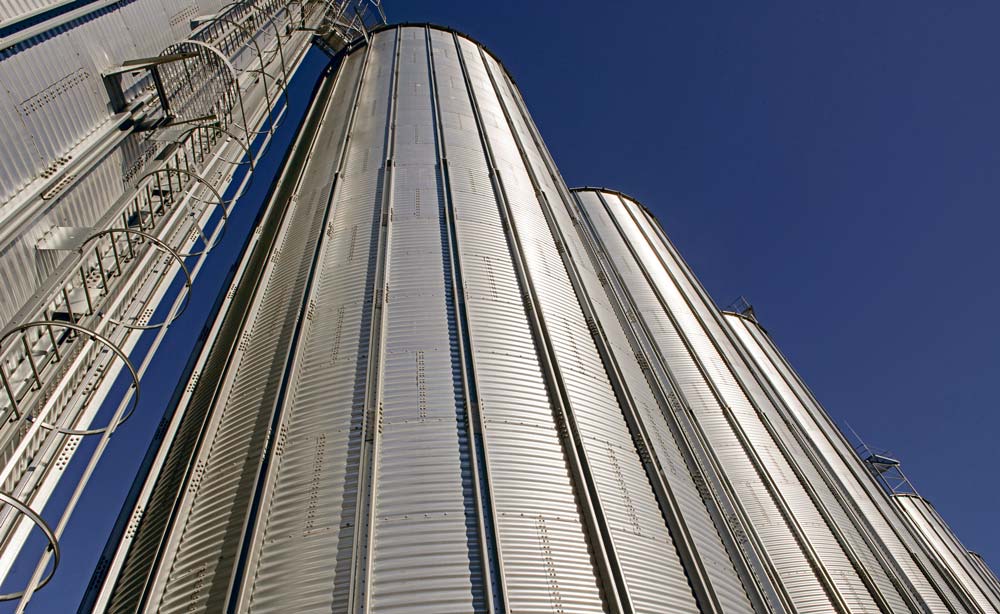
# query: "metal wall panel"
872 503
424 558
698 371
986 572
680 473
949 551
539 524
309 518
836 540
644 547
202 549
13 9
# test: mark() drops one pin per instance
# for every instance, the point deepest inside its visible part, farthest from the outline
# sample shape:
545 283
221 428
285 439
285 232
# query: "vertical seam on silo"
835 530
615 589
239 588
491 554
900 526
689 437
683 543
371 424
823 576
866 531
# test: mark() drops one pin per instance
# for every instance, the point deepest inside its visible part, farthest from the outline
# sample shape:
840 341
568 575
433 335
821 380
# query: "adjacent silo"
954 559
822 557
891 536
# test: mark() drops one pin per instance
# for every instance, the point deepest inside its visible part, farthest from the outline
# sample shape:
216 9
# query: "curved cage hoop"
208 88
163 247
264 76
94 336
215 126
233 85
219 202
49 535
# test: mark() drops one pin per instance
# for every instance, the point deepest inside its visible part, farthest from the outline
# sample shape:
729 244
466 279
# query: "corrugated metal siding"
794 568
427 557
308 522
643 543
539 525
871 501
12 9
51 91
210 529
986 572
726 584
792 471
23 267
949 550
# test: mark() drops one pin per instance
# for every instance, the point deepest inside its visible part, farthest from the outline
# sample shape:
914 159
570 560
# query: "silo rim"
728 312
590 188
360 42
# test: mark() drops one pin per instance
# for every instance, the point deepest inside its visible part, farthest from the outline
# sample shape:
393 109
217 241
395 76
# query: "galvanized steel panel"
873 505
539 524
196 573
786 554
643 544
949 550
307 524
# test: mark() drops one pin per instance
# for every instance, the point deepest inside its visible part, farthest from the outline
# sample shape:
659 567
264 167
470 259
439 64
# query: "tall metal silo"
420 399
822 557
890 534
955 559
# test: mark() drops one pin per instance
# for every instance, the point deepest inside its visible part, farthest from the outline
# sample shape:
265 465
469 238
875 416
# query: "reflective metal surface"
447 383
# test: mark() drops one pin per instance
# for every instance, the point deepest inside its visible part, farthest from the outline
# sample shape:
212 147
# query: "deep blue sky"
837 163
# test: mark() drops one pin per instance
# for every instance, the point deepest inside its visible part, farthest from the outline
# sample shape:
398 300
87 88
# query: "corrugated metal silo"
953 556
821 557
432 406
890 535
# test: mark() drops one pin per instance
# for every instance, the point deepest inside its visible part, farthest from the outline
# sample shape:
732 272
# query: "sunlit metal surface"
132 119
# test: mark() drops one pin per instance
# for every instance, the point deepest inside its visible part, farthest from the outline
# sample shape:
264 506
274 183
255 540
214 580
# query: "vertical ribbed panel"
949 551
427 556
822 521
642 543
307 523
873 505
825 522
545 554
724 581
800 581
990 578
210 525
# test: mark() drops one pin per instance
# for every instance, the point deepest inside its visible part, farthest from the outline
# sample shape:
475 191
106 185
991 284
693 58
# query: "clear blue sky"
837 163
